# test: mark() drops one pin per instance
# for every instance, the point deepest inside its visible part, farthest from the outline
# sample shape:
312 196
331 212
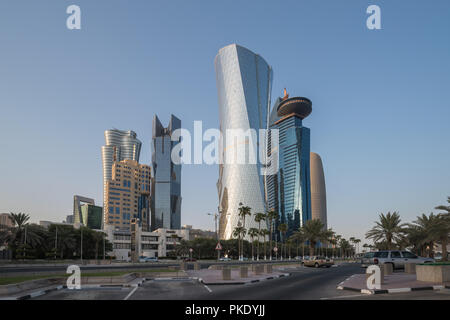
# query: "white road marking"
131 293
207 288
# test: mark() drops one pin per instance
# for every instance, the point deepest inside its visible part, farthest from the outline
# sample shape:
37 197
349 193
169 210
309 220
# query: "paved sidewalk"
393 283
214 277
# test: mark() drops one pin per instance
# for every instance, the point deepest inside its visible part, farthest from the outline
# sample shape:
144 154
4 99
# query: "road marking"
345 297
131 293
207 288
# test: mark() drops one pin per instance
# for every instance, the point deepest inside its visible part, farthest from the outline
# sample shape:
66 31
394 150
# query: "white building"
150 244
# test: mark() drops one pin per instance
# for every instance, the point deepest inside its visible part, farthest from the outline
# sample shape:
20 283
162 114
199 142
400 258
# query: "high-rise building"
318 192
166 187
244 81
77 203
6 221
128 195
288 191
92 216
120 145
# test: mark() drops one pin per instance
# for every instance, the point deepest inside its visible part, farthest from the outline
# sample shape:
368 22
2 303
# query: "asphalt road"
158 265
304 283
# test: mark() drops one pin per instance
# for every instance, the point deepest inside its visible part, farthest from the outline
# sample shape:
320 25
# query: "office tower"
318 192
166 188
92 215
128 195
288 191
120 145
77 201
6 221
244 82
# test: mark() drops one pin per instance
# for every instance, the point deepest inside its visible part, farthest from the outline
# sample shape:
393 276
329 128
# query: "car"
148 259
366 259
189 259
397 258
225 259
318 261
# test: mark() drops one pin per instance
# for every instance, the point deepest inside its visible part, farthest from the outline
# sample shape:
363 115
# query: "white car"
397 258
148 259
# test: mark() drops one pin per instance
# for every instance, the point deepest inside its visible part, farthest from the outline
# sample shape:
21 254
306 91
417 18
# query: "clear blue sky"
381 99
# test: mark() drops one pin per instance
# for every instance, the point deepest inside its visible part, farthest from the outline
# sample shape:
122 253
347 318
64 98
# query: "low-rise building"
198 233
157 243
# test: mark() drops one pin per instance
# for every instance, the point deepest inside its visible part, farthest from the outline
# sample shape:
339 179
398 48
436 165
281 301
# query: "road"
302 284
158 265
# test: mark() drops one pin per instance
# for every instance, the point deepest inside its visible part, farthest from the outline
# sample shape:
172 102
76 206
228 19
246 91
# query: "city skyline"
381 151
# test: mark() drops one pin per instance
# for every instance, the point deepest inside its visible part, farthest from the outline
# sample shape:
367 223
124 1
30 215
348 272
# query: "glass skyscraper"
289 191
166 183
244 82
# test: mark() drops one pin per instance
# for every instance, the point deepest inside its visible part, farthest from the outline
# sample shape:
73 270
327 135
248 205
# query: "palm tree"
283 228
440 232
243 212
253 232
271 217
299 237
237 233
259 217
389 229
445 208
420 232
264 234
313 231
338 238
327 236
357 241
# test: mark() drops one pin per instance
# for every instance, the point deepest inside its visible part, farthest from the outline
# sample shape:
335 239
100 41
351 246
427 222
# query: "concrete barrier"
433 273
226 274
259 269
196 266
244 272
410 268
268 268
388 268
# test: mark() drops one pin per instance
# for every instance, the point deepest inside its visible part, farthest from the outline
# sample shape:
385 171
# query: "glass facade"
244 82
92 216
289 191
166 188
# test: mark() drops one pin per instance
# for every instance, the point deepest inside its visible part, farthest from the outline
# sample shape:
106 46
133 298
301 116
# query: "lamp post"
216 215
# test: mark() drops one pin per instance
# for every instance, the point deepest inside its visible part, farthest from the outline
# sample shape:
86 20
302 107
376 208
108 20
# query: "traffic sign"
219 246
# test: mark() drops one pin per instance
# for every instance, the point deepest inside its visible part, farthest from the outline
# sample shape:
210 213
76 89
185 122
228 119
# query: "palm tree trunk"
444 243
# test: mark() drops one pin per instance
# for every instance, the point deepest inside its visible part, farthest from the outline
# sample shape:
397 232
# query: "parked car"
189 259
367 259
225 259
148 259
318 261
397 258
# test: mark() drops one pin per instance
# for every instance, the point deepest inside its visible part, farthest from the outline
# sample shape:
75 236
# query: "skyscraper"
288 191
244 82
120 145
128 195
318 192
77 200
166 183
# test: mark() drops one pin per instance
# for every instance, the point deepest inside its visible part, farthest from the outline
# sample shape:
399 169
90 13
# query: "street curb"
244 282
394 290
40 293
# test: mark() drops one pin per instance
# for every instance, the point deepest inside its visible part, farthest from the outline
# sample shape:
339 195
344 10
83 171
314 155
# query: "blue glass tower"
289 191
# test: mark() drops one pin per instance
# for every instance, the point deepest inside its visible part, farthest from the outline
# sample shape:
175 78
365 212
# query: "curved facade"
120 145
243 83
318 192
